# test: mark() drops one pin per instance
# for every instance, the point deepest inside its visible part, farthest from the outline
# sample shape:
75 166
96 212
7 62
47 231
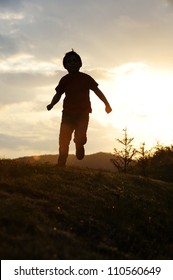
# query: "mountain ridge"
100 160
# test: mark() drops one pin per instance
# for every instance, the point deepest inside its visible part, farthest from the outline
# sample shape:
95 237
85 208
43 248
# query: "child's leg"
66 131
80 136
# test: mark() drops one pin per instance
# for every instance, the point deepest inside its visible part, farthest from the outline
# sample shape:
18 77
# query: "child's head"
72 61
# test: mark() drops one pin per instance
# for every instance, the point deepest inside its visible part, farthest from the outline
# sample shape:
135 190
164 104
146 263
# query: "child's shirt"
76 88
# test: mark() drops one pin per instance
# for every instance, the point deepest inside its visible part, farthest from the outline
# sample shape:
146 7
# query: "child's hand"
108 109
49 107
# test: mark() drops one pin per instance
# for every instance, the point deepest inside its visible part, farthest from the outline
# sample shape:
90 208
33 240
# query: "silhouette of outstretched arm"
100 94
55 100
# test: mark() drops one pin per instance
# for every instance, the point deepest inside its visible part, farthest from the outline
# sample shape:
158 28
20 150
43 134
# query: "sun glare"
142 100
147 93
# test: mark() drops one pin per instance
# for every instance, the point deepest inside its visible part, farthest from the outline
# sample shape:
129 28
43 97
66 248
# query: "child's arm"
55 100
100 94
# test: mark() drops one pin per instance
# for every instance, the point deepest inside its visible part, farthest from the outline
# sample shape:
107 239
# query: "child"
76 106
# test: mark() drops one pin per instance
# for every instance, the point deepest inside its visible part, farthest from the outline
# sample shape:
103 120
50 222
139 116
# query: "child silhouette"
76 106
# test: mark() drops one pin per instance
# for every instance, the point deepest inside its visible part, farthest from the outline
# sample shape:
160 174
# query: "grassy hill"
51 213
95 161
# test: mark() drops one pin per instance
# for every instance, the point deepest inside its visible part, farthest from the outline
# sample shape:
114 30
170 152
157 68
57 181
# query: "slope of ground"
50 213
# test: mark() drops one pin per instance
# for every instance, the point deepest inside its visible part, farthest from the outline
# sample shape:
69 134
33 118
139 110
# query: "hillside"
50 213
94 161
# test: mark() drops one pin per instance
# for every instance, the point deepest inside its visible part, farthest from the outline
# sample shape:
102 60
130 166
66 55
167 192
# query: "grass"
50 213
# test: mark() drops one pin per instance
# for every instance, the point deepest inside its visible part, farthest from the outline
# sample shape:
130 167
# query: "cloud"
11 4
11 16
98 73
129 68
49 29
26 145
26 130
13 142
24 87
169 1
23 78
29 80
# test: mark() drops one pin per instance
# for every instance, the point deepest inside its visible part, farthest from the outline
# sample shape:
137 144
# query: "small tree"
123 158
142 161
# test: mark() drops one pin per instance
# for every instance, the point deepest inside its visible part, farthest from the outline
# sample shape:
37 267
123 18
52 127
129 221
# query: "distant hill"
95 161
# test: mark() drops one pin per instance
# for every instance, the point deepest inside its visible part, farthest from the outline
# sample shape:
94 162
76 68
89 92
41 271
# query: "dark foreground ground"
46 213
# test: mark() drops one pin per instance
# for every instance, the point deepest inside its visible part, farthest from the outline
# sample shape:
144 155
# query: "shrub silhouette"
123 158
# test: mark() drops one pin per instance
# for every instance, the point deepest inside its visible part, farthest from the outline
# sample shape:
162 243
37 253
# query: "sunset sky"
125 45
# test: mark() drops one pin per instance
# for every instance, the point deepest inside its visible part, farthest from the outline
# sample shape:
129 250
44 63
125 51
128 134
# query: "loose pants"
69 124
